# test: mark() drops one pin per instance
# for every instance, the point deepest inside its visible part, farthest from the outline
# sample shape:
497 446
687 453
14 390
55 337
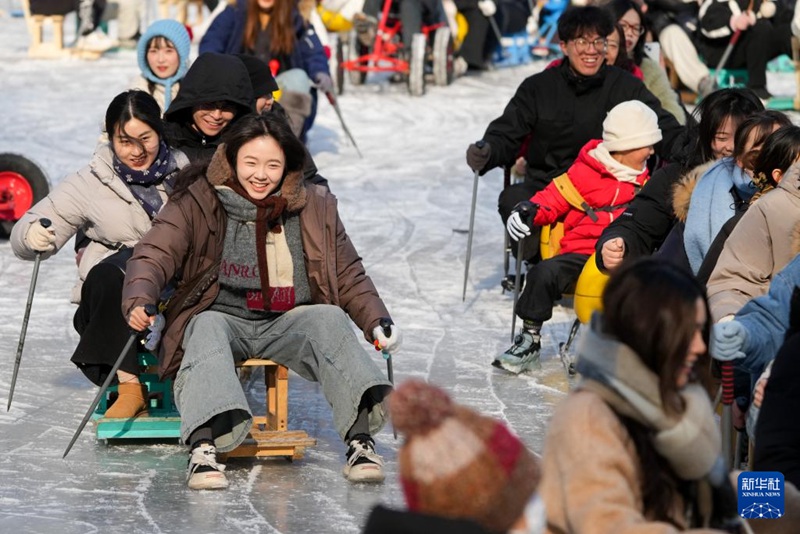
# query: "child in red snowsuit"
592 193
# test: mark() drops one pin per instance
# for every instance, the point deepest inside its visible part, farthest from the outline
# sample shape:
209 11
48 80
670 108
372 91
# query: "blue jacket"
226 33
766 319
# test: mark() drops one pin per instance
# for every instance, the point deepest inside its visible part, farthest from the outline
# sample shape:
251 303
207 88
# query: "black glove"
478 155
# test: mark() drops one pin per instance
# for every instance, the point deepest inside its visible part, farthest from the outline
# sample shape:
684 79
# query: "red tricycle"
429 52
22 184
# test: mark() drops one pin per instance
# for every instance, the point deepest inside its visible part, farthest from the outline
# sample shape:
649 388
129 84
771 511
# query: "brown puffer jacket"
188 235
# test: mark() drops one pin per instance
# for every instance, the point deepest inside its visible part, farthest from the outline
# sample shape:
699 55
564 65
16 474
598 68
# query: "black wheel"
442 56
355 50
416 65
335 63
21 182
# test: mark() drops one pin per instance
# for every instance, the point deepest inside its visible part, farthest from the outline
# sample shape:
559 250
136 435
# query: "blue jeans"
317 342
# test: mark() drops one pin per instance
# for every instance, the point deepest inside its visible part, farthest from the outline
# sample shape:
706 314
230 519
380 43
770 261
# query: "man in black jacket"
562 108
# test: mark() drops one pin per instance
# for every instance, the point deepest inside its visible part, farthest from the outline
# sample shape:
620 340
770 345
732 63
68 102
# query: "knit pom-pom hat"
179 37
457 463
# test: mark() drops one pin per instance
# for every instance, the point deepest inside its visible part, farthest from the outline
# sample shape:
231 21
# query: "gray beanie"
630 125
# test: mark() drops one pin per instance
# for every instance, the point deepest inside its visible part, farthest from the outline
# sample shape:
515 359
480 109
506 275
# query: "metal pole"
471 228
386 326
46 224
520 249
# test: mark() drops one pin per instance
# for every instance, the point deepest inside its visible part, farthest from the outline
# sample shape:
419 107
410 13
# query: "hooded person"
461 472
214 94
261 80
594 191
163 54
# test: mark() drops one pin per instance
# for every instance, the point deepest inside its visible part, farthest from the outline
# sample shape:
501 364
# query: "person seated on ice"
250 211
163 54
674 26
511 16
593 192
485 483
564 108
274 31
628 14
763 37
636 447
214 94
113 201
650 218
413 15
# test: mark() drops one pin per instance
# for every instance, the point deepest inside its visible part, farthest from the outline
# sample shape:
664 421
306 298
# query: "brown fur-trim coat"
188 236
683 188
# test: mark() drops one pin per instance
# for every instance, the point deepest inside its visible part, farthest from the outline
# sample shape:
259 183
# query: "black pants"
756 47
102 327
546 282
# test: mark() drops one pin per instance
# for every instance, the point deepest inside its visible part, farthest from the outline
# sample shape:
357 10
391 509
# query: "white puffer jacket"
93 199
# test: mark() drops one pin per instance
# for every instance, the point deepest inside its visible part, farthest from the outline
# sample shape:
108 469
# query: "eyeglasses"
627 28
582 45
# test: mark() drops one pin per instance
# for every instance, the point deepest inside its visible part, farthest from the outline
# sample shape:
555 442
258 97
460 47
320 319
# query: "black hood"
212 77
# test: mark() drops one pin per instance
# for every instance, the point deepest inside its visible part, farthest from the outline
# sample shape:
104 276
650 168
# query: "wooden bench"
270 435
39 48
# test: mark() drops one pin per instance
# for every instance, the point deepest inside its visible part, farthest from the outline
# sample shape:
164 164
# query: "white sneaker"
363 463
204 471
97 41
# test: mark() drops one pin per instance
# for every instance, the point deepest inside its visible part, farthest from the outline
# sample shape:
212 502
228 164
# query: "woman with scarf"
635 447
724 190
112 201
268 271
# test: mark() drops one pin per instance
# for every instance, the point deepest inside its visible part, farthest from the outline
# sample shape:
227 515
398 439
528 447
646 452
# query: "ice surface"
402 205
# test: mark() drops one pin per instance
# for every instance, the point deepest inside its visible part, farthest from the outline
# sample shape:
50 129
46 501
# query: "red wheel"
22 184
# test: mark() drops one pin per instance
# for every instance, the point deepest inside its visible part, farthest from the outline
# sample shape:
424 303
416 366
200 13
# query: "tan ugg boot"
131 402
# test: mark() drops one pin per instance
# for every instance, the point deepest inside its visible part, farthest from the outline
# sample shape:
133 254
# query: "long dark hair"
249 127
651 307
734 103
623 60
133 104
280 27
618 9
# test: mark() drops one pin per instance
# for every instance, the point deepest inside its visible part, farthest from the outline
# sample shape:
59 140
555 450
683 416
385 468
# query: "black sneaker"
363 463
204 471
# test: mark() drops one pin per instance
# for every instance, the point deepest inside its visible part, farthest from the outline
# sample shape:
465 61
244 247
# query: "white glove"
154 337
767 10
487 7
40 239
516 228
389 344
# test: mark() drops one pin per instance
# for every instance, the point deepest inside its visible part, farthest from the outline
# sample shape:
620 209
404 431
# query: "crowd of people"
202 197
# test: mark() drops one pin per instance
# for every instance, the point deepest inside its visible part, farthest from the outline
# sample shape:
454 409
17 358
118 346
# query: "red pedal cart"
429 52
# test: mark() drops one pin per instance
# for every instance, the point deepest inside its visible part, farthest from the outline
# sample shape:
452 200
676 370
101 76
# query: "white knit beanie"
630 125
